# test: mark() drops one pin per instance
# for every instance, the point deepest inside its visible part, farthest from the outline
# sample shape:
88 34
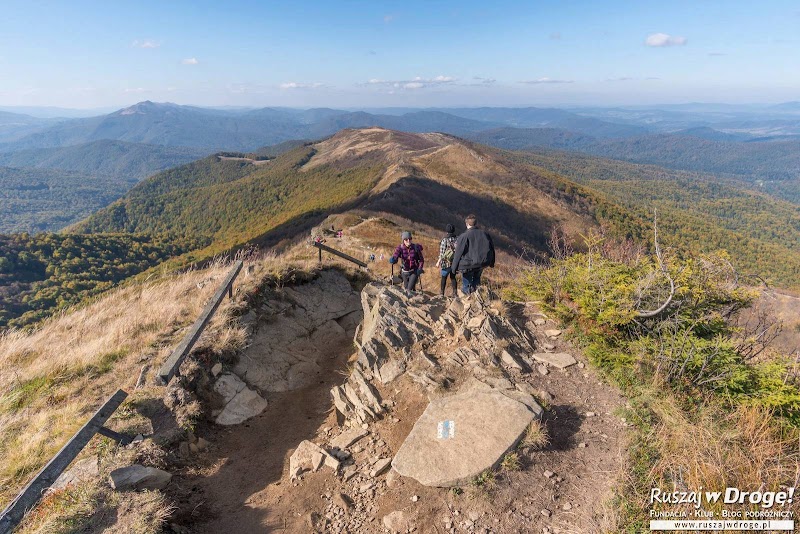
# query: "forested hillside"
36 200
234 201
42 273
116 159
762 234
772 166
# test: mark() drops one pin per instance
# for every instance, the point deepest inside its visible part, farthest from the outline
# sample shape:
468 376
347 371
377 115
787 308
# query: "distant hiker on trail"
474 251
447 249
412 262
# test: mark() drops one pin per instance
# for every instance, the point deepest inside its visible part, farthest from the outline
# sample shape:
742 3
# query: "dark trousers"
409 280
470 280
452 275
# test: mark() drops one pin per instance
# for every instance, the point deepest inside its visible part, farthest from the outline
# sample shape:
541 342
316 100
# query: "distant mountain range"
215 129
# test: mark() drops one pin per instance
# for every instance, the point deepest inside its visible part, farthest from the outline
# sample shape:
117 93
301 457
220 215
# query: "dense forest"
116 159
37 200
42 273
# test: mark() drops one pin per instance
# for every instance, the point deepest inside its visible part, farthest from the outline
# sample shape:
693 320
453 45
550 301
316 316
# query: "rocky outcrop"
436 344
297 331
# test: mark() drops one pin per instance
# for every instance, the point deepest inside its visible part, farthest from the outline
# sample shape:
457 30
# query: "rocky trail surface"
409 433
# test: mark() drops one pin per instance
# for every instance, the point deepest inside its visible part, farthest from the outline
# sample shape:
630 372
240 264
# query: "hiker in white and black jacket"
447 249
474 251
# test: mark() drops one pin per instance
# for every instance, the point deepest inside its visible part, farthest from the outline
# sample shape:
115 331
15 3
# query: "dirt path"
244 485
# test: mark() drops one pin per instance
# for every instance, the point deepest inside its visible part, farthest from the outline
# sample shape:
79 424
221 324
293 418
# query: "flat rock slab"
348 437
138 477
561 360
241 402
460 436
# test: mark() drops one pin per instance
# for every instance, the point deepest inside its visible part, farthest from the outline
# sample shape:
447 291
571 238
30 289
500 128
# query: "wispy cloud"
388 18
621 79
717 54
555 36
146 43
663 39
301 85
190 61
545 81
483 81
414 83
136 90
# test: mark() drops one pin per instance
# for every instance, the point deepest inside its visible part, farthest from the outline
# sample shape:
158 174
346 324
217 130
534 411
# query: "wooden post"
29 497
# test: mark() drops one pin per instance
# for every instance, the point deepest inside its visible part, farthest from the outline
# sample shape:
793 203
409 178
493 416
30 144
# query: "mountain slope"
127 161
431 178
696 212
772 165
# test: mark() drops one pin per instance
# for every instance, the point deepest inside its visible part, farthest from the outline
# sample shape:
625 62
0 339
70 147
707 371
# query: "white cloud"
136 90
417 82
622 79
388 18
663 39
190 61
545 80
555 36
299 85
147 43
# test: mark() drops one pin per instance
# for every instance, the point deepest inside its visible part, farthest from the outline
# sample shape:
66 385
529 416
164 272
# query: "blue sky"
351 53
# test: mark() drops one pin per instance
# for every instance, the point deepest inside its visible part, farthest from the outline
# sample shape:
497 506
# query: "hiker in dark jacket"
447 249
411 264
474 251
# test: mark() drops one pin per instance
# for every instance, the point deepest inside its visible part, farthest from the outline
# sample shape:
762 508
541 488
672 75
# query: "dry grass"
743 449
52 379
536 436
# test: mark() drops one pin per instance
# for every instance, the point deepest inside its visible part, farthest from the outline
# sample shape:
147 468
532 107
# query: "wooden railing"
29 497
335 252
171 365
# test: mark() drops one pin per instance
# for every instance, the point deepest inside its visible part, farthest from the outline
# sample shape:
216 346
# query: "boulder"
460 436
510 361
380 467
241 402
310 456
552 333
138 477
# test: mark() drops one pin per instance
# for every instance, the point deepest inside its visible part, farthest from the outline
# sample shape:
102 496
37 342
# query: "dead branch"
653 313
